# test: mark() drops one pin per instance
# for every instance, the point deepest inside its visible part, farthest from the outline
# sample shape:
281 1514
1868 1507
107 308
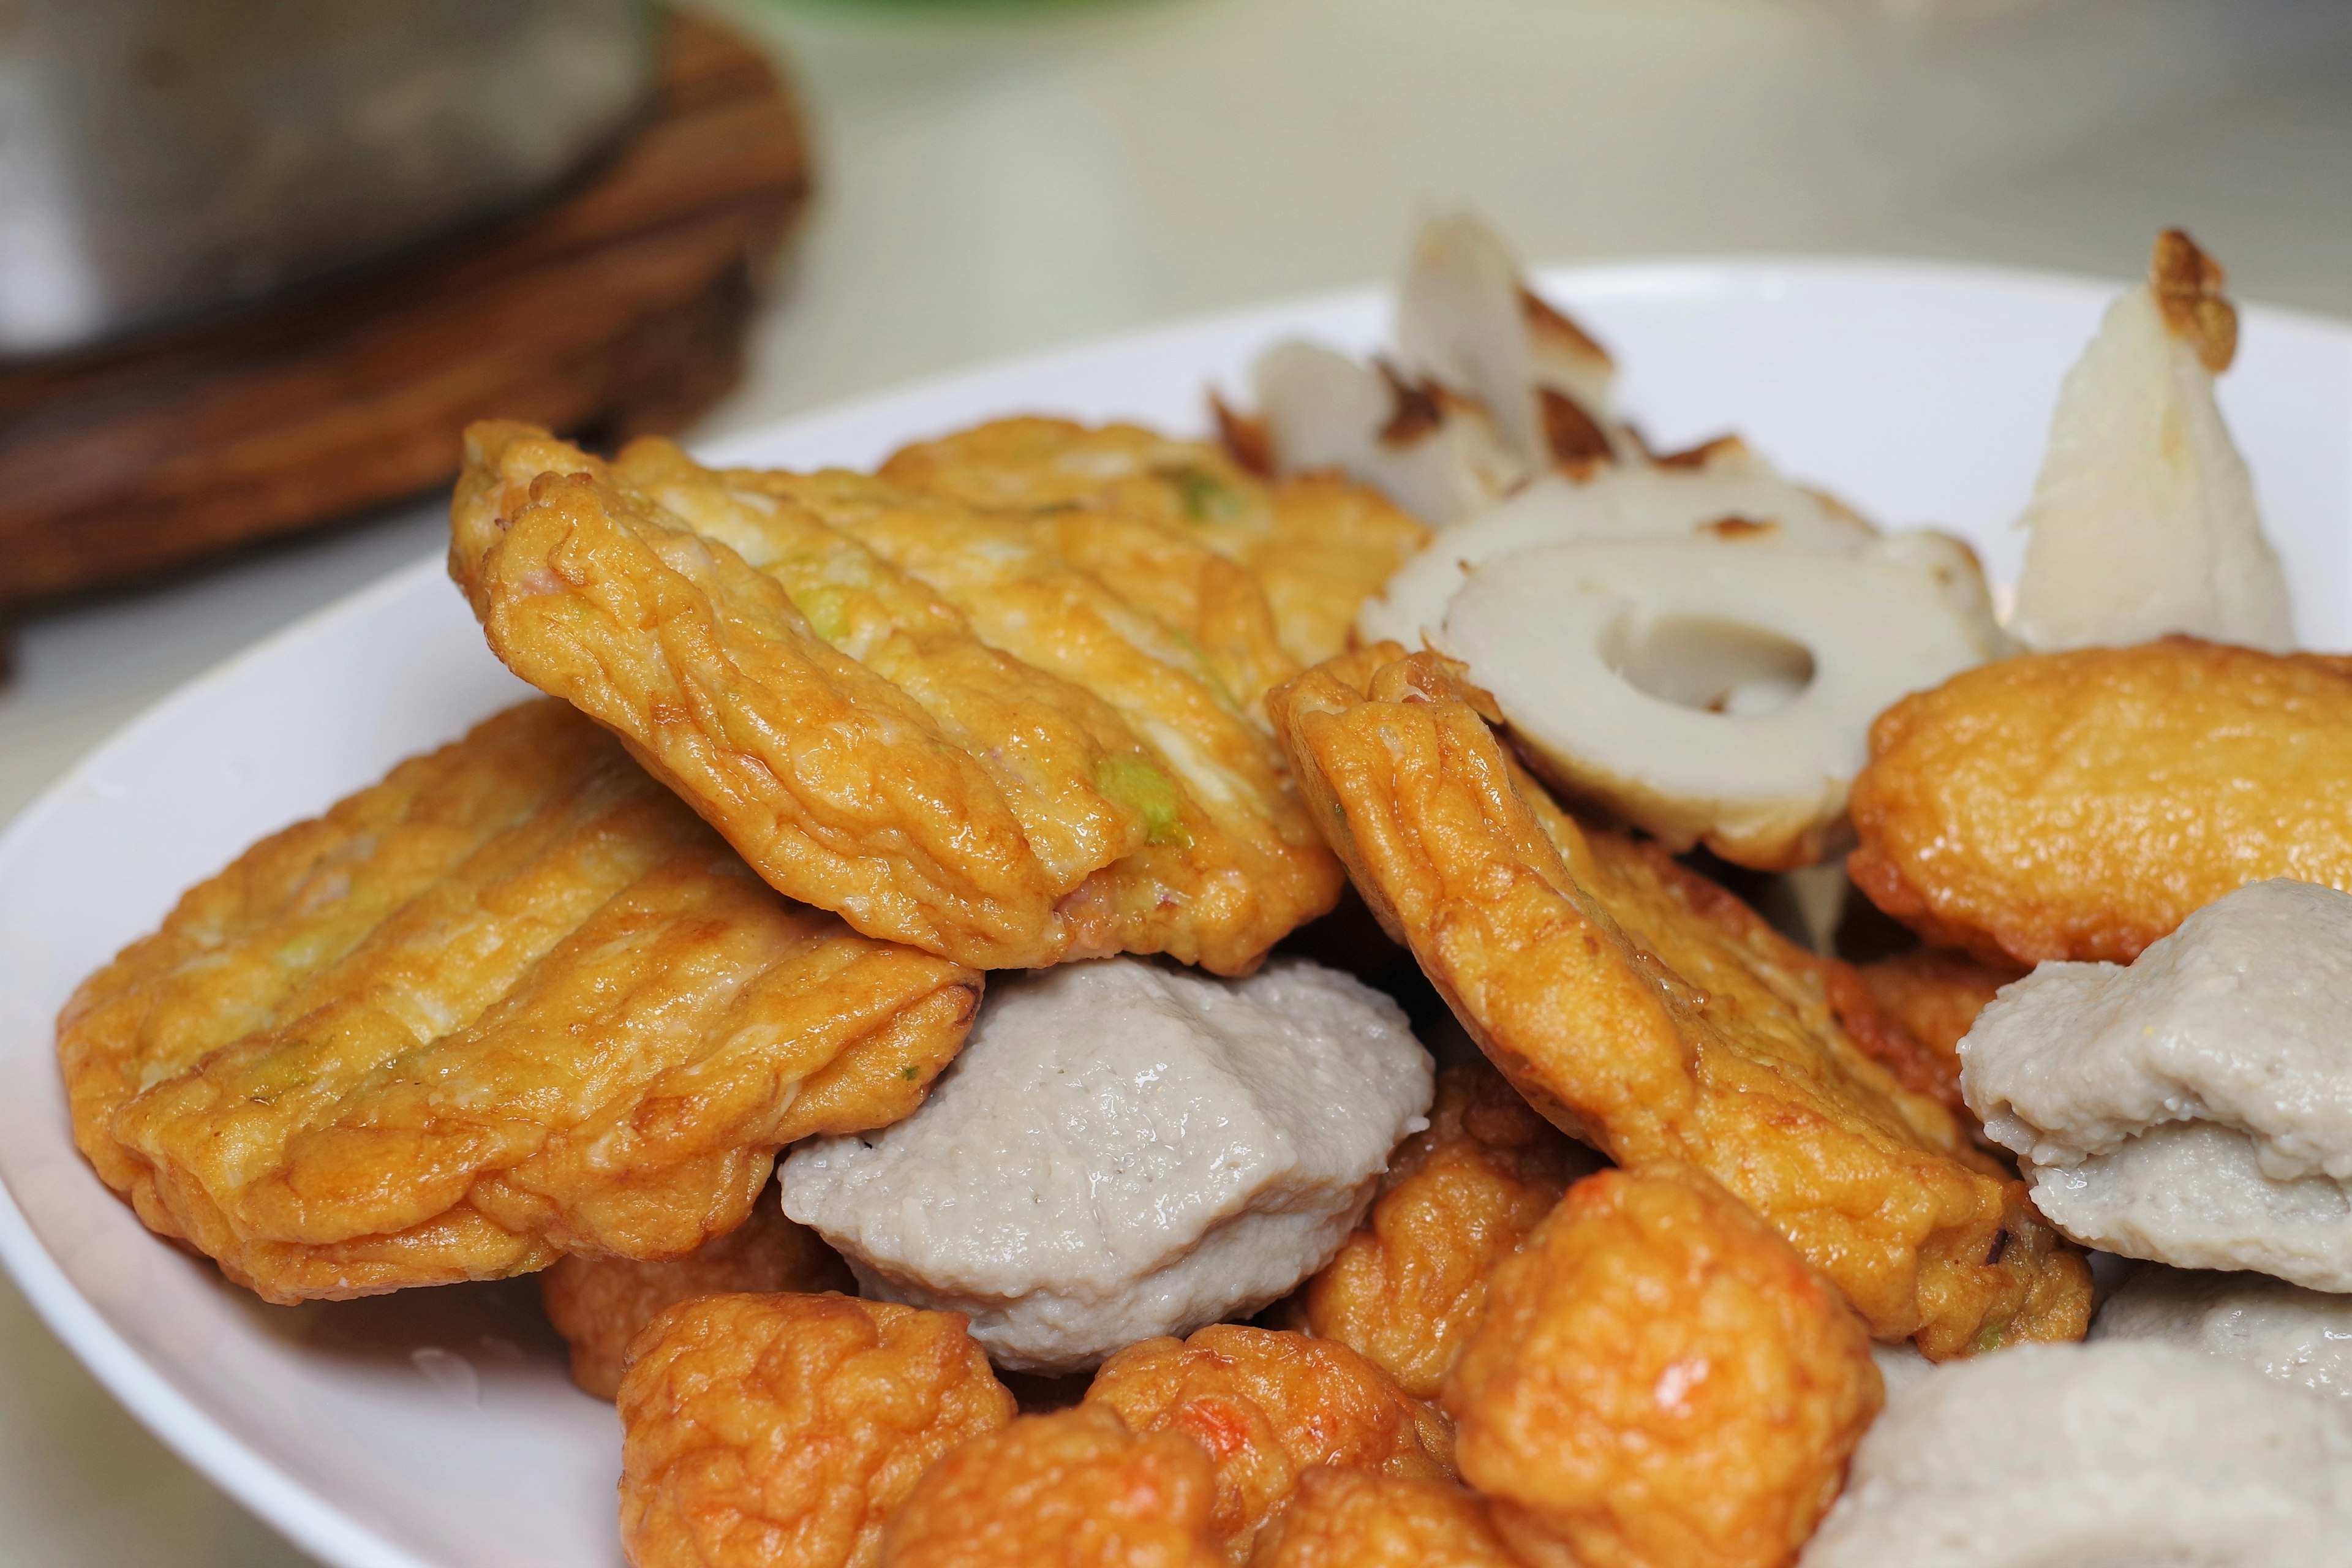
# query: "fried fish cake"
1408 1285
781 1431
1071 1489
1647 1011
513 1001
1935 993
1363 1519
1319 544
1268 1404
1660 1382
925 720
599 1304
2081 804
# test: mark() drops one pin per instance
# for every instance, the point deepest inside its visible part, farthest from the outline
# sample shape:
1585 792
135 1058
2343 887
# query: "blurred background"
915 186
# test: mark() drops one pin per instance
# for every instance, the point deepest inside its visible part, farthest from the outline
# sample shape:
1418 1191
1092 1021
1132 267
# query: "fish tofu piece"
1319 544
1659 1382
781 1431
2194 1109
1363 1518
514 1001
1648 1012
2079 805
1071 1489
1407 1286
1000 759
1268 1406
599 1304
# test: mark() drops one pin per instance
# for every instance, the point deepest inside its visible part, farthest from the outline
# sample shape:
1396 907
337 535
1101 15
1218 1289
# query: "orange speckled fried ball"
1361 1519
1659 1382
599 1304
1267 1405
1407 1286
779 1431
1073 1489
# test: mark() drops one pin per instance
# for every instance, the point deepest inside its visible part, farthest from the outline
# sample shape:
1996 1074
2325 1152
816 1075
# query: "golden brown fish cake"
875 740
599 1304
2082 805
781 1431
1363 1518
1408 1285
1935 994
1649 1013
1267 1405
1071 1490
1660 1382
1318 544
511 1002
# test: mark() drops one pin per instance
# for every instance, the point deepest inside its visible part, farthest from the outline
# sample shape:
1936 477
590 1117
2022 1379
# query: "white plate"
436 1427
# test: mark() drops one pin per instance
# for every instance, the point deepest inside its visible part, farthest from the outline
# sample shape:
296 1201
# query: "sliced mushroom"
1434 453
1701 692
2143 521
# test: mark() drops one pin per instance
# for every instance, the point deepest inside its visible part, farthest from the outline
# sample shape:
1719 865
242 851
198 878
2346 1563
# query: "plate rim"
329 1532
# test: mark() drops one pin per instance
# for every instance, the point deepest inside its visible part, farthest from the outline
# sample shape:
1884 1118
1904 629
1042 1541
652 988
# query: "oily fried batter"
1660 1382
1268 1406
1406 1287
599 1304
1935 993
1318 544
924 719
1647 1011
2081 804
780 1431
1071 1490
513 1001
1364 1519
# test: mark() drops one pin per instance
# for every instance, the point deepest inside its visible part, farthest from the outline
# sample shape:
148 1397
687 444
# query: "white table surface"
1000 178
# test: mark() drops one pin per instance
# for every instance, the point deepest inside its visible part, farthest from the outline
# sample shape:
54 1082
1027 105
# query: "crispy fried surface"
354 1060
1363 1518
1660 1382
1407 1286
1935 993
1647 1010
1319 545
924 719
599 1304
1267 1405
2081 804
1071 1490
766 1431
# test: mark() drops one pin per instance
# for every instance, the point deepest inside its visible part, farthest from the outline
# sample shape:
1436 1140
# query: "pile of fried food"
908 988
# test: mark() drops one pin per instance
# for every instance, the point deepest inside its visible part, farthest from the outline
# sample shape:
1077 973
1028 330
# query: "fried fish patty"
782 1431
1935 993
1649 1012
1659 1382
600 1304
2081 804
1408 1285
924 719
514 1001
1318 544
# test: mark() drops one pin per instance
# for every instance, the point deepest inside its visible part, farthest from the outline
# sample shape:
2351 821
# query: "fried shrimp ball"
2080 806
779 1431
1363 1518
1660 1382
1268 1406
1073 1489
1407 1286
1642 1008
599 1304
